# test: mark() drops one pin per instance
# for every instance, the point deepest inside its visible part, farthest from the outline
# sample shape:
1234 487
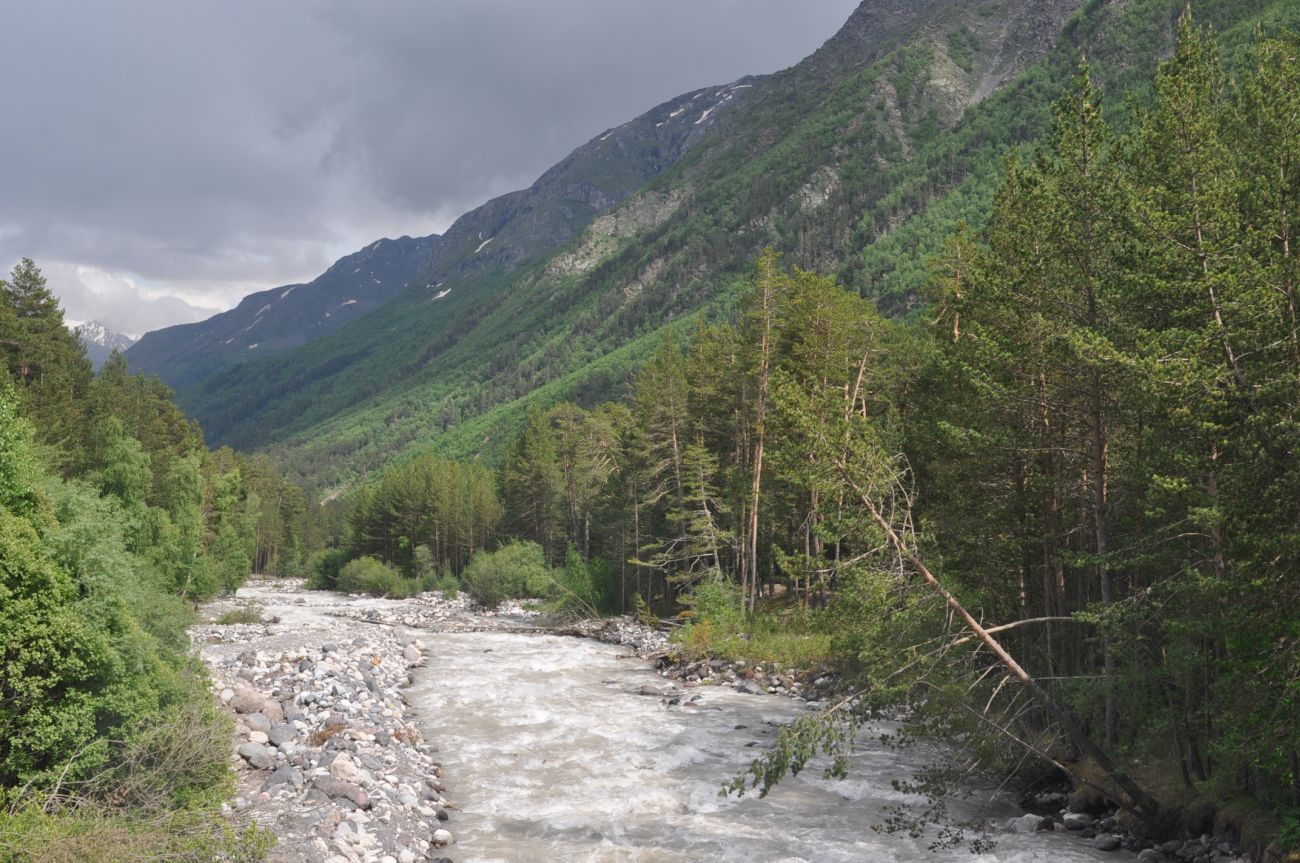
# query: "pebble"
327 750
257 755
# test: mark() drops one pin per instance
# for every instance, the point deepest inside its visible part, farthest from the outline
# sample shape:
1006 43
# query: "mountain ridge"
501 233
100 342
857 161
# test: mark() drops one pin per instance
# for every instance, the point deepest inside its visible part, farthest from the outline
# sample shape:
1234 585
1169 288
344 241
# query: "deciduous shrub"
517 569
368 575
323 568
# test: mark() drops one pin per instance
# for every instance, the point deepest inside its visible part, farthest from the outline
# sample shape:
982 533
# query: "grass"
31 835
243 614
794 641
159 802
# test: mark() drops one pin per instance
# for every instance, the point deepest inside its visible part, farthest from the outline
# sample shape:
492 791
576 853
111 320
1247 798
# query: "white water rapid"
554 756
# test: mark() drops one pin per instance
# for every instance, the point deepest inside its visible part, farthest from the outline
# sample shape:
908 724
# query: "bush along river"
384 731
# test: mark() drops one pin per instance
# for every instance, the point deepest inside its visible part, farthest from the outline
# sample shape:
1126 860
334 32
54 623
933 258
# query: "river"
552 754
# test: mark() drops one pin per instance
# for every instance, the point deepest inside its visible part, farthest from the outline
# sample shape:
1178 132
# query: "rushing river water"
554 756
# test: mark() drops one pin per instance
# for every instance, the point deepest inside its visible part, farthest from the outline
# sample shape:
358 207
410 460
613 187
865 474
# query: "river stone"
1106 843
1150 855
442 837
1077 820
281 775
248 701
257 722
751 687
329 647
1025 824
257 755
412 654
338 788
334 720
273 711
343 767
282 734
258 737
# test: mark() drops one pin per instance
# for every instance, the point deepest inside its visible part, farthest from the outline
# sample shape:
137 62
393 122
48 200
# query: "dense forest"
1085 444
115 521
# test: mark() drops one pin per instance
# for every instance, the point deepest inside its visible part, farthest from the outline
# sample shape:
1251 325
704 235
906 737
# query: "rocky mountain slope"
860 161
100 342
494 238
285 317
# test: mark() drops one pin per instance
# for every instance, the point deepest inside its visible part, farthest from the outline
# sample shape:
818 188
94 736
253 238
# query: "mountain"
495 237
285 317
100 342
860 161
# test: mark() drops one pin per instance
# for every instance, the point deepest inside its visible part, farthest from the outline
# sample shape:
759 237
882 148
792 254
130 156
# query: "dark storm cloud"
162 159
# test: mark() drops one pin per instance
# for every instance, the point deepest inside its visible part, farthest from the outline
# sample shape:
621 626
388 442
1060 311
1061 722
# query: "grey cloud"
212 149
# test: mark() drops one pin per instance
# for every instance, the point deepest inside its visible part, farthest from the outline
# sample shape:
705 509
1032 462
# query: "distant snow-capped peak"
95 333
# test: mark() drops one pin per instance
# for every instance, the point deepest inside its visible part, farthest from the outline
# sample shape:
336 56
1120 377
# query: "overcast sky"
161 159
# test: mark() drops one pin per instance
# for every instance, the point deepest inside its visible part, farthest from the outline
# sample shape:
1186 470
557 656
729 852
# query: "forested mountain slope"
495 237
858 161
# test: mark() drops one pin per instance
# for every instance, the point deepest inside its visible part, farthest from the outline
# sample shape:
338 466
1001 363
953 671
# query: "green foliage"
447 584
93 649
425 513
584 587
515 570
111 520
243 614
323 568
368 575
33 835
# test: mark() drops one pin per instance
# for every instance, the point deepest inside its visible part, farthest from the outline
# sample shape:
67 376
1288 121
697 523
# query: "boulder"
282 734
1106 843
257 722
285 776
1025 824
247 701
337 788
1077 820
343 767
257 755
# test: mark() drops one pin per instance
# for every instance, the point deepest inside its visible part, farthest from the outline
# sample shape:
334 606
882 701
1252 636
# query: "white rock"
258 737
345 768
442 837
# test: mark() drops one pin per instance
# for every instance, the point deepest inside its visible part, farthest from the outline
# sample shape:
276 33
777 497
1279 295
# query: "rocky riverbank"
328 754
330 757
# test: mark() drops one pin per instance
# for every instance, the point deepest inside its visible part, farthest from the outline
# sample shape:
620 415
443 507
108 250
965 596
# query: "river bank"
342 704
